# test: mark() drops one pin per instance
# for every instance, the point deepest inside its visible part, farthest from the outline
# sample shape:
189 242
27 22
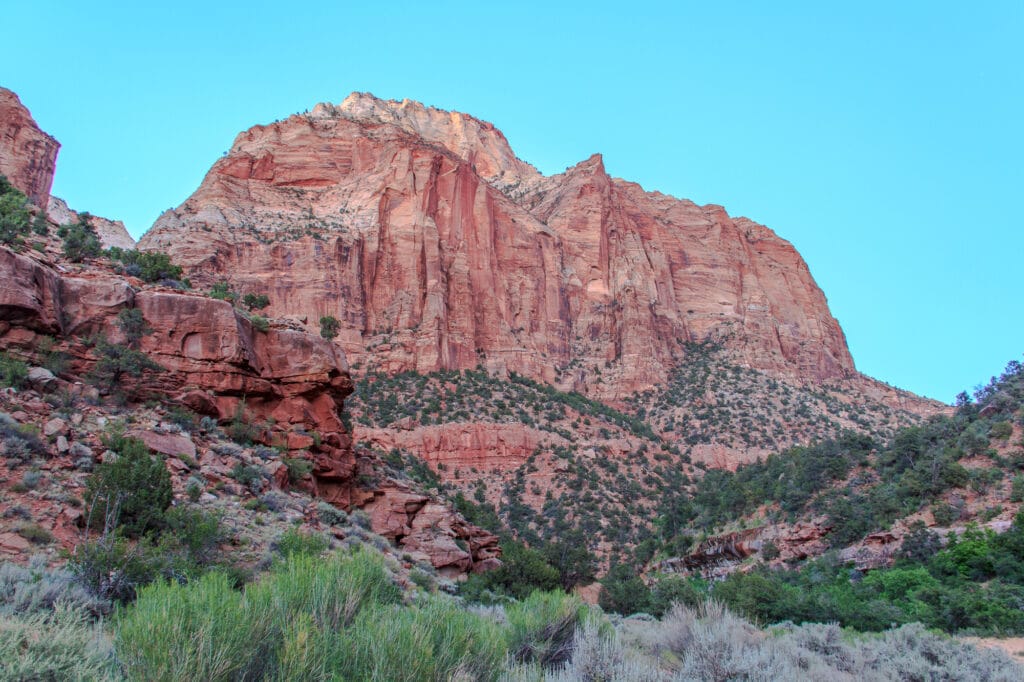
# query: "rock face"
285 382
436 248
28 156
110 232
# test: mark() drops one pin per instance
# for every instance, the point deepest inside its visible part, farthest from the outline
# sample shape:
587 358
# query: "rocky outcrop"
28 156
429 531
110 232
437 248
289 385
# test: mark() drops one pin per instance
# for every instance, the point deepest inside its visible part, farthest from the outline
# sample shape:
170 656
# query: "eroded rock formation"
437 248
28 156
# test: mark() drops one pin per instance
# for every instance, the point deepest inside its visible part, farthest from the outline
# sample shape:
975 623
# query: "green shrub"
296 542
622 591
222 291
13 372
329 326
248 475
522 571
80 239
199 631
115 363
542 626
14 214
60 645
132 492
259 323
35 534
256 301
111 568
240 429
134 325
150 266
434 640
34 588
297 468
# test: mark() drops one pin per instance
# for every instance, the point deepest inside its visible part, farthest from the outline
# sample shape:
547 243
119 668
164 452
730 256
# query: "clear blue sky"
884 139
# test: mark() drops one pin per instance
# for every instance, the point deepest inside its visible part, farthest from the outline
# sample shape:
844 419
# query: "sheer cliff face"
436 248
28 156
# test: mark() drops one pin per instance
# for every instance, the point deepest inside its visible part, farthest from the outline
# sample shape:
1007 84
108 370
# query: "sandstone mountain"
421 231
275 383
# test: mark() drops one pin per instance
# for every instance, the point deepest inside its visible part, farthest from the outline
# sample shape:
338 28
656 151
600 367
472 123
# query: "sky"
884 140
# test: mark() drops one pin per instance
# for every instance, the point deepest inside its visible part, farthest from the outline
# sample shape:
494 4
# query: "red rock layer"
287 382
437 248
28 156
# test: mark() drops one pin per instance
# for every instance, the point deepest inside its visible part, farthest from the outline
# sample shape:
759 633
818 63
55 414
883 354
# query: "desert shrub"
623 591
60 645
15 218
241 430
433 640
199 631
111 568
249 475
255 301
150 266
195 534
599 655
131 492
541 628
297 468
115 363
36 589
134 325
296 542
329 514
669 590
13 372
35 533
222 291
523 570
80 239
329 326
259 323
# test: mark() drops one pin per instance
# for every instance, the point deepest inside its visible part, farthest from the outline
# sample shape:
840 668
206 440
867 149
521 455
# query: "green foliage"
115 363
975 584
14 214
222 291
259 323
240 429
247 474
296 542
198 631
329 326
80 239
542 626
134 326
13 372
255 301
298 468
522 571
60 645
134 490
149 266
622 591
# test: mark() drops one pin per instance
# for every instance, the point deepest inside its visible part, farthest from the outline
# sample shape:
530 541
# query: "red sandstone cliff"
437 248
28 156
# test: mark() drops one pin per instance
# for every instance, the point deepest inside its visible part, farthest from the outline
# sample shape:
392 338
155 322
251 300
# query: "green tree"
329 326
14 214
256 301
132 492
80 240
